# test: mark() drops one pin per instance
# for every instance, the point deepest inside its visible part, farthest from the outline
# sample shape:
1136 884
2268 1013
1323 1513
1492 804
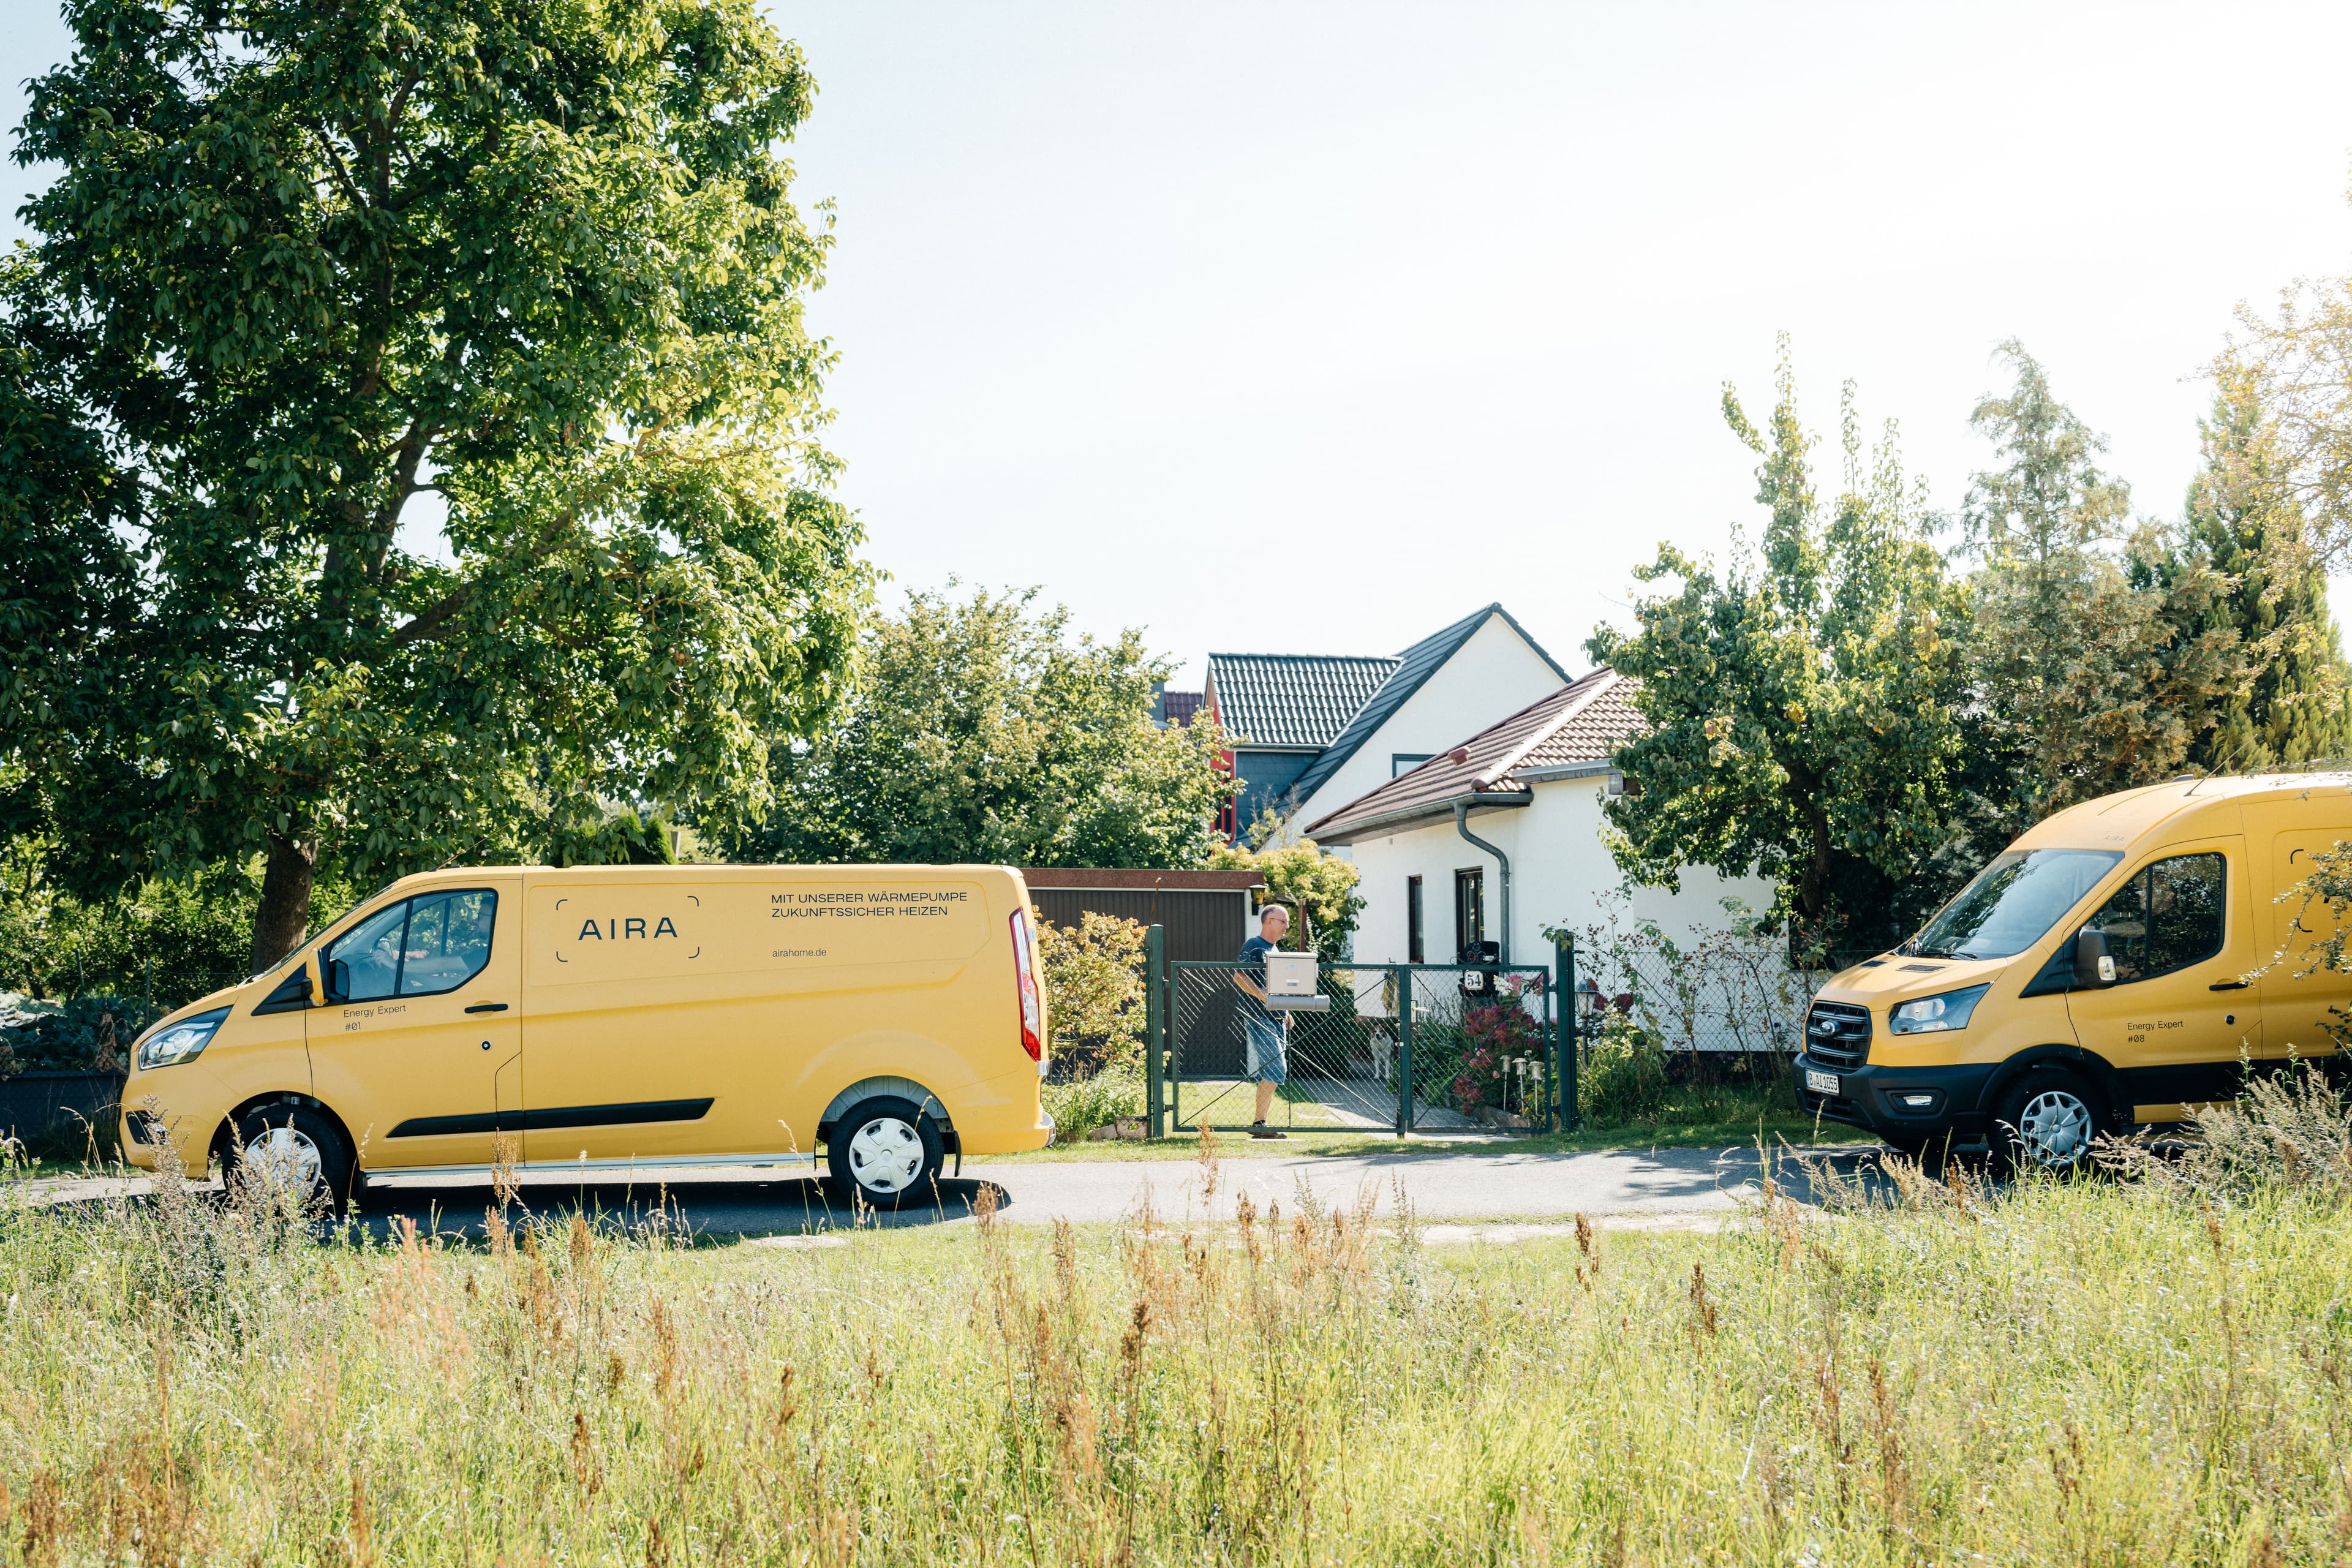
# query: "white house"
1471 673
1499 835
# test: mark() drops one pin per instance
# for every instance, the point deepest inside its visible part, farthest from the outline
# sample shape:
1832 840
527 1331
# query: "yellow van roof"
2116 821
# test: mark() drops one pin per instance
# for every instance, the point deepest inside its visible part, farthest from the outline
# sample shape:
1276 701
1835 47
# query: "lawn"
2102 1372
1313 1115
1308 1140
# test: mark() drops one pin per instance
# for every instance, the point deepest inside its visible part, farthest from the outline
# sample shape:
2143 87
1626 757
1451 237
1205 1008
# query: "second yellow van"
615 1017
2123 962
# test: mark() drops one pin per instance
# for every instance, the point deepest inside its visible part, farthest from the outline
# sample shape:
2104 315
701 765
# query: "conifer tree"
2243 521
2096 673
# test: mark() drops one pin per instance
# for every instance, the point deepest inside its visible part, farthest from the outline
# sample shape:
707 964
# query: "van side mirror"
2095 969
338 980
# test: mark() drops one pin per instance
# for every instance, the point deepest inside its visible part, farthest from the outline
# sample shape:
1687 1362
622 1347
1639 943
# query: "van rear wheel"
886 1151
2047 1121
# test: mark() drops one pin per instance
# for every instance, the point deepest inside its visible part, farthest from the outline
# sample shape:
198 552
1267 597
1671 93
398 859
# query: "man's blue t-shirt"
1253 963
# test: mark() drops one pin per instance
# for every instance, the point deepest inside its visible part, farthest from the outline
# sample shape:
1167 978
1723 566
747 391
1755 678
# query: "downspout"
1462 825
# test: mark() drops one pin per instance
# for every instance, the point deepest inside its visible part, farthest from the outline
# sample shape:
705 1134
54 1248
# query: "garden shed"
1204 915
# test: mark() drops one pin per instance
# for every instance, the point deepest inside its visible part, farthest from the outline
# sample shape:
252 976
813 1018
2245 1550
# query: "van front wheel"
291 1155
2046 1121
886 1151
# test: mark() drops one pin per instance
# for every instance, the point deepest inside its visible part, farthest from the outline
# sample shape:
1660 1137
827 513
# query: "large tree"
981 731
1806 706
304 267
2097 677
2244 521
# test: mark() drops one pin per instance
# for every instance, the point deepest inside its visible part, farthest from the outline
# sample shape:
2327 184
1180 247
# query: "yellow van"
2111 968
618 1017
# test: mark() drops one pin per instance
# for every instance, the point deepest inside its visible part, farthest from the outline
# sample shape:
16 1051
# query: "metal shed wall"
1209 924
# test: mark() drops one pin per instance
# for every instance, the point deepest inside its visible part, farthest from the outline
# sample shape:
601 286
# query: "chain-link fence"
1717 994
1394 1048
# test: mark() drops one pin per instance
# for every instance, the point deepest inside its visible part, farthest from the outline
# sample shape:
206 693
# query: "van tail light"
1024 973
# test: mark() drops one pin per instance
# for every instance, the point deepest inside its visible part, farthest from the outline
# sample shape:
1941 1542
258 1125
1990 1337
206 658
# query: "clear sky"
1312 327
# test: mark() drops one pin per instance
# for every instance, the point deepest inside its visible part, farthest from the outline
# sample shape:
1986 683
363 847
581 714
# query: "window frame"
400 971
2221 903
1469 909
1415 921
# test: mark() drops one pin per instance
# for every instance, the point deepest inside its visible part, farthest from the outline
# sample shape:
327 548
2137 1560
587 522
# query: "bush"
86 1034
1094 990
1081 1105
1492 1036
1623 1075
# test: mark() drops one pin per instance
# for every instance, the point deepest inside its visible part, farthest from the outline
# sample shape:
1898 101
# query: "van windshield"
2011 902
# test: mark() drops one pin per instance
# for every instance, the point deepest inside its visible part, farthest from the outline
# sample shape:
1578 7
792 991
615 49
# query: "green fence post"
1155 1029
1404 1050
1564 1029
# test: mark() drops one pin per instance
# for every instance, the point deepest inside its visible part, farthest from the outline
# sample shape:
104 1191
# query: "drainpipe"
1462 825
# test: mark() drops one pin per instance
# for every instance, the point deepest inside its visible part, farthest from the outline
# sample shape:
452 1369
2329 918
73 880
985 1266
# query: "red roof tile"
1583 722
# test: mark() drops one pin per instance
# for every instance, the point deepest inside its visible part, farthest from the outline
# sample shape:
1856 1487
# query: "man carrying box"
1269 1060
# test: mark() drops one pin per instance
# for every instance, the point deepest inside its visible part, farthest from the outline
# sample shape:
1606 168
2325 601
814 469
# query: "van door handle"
500 1007
2227 985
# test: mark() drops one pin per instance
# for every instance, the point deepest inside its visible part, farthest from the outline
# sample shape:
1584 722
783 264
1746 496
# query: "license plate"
1821 1082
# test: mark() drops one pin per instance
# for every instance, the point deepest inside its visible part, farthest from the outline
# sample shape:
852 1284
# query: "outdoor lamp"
1589 1001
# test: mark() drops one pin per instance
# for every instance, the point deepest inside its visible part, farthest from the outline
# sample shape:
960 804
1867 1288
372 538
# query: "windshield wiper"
1934 952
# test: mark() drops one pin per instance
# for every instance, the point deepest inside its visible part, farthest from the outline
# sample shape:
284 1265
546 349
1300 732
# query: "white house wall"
1560 868
1490 678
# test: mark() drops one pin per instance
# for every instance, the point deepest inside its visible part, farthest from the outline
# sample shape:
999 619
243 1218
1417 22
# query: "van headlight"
180 1042
1930 1015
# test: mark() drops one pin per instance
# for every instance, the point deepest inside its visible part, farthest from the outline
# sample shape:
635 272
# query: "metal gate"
1402 1047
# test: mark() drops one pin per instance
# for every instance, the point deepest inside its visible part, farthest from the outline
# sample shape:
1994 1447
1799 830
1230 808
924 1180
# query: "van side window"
419 947
2169 916
370 956
448 941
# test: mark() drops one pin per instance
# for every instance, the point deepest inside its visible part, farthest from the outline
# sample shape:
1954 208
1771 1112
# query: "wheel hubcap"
887 1154
2055 1128
283 1159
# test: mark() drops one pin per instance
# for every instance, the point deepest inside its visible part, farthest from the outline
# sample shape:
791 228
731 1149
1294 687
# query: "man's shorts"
1269 1057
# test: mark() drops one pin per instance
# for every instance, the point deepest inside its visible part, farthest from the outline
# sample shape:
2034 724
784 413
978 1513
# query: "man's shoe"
1260 1130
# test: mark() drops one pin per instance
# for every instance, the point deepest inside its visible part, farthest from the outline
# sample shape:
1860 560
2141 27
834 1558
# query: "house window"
1412 926
1403 762
1469 910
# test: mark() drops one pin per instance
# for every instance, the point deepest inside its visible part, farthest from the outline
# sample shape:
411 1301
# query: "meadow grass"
2119 1370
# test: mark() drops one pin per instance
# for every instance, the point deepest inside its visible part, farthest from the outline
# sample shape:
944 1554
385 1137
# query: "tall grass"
2105 1372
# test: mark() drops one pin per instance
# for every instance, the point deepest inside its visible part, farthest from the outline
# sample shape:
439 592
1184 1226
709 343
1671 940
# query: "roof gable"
1298 700
1584 721
1413 668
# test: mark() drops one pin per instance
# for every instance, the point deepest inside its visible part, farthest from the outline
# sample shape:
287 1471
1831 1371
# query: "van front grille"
1837 1034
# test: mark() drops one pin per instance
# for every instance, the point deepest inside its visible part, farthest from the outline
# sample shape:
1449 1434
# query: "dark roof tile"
1414 667
1292 699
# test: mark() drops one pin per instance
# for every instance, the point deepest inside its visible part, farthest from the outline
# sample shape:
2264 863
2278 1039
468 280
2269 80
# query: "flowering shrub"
1094 991
1492 1036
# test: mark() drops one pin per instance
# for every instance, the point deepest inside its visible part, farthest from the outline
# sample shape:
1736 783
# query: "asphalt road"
1499 1185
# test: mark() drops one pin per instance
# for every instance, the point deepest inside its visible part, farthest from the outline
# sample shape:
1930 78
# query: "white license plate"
1821 1082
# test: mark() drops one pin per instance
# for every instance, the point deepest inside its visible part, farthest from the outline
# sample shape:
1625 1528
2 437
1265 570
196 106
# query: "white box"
1290 975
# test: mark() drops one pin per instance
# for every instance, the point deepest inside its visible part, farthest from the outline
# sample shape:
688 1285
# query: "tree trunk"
284 912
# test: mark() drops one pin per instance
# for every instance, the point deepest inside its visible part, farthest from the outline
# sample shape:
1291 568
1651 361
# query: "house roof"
1582 723
1298 700
1413 668
1180 706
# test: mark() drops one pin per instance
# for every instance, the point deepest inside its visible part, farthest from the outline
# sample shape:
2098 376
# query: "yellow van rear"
2126 960
621 1016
